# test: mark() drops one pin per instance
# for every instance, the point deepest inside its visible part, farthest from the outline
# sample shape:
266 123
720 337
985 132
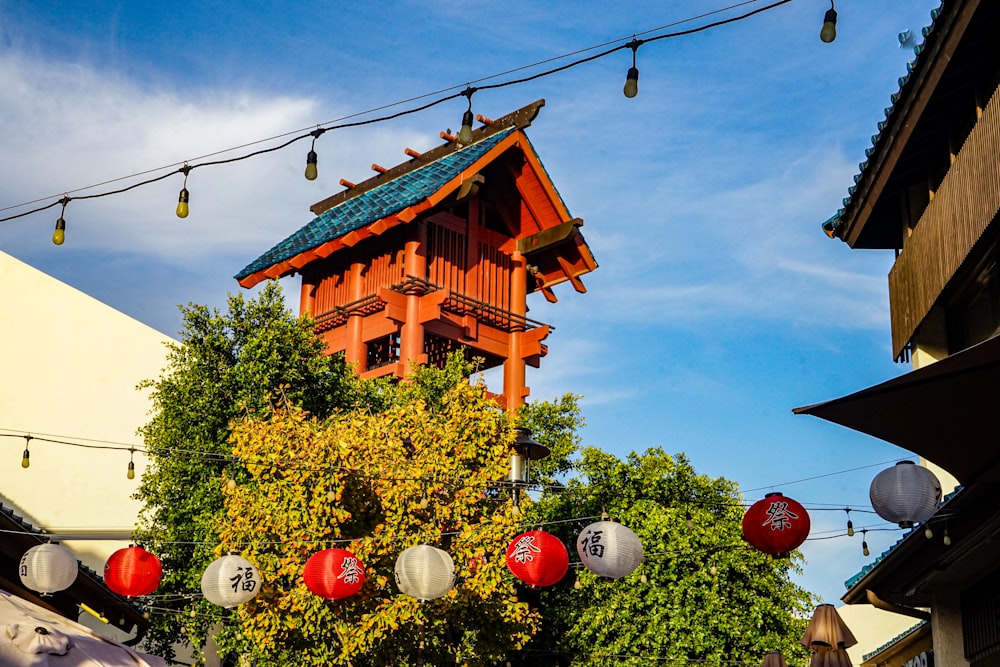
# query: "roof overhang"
944 412
319 248
917 570
88 589
911 134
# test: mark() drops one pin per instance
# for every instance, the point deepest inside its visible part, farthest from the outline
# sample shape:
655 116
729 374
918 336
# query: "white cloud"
71 126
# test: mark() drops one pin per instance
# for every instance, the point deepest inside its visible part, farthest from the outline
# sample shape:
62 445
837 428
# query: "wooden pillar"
513 367
354 352
472 250
411 335
307 297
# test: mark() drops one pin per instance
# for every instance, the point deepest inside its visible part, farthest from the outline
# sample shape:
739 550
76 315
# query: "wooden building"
438 254
930 190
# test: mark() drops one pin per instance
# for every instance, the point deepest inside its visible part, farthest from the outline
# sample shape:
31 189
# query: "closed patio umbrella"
774 659
32 636
828 637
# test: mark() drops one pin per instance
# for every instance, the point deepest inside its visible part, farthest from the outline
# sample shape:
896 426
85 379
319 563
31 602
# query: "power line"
464 90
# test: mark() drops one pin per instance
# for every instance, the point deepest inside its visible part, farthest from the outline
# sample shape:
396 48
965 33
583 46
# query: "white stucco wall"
872 627
69 366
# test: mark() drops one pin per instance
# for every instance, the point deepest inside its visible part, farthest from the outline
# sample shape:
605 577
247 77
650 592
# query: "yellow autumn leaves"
423 470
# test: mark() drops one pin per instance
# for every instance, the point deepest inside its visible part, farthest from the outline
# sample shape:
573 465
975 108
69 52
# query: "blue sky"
718 306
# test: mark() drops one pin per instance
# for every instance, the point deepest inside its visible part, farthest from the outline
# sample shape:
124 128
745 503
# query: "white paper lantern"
609 549
230 581
905 494
48 568
425 572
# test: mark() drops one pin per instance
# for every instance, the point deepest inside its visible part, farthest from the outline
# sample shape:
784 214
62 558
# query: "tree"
376 483
702 594
225 366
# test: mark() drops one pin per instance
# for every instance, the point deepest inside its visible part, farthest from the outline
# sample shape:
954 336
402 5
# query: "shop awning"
947 412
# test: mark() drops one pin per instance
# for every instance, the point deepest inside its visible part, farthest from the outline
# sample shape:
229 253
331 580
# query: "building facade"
70 366
439 254
929 190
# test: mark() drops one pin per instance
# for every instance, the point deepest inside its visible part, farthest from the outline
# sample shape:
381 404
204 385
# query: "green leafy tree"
702 594
377 483
226 365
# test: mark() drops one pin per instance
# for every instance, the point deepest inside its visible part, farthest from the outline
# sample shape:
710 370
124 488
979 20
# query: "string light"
829 31
947 537
184 196
864 542
632 77
59 235
131 463
850 524
928 533
311 158
26 456
337 124
465 134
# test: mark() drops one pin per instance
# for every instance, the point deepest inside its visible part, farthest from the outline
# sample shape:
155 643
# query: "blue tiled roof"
391 197
871 566
887 112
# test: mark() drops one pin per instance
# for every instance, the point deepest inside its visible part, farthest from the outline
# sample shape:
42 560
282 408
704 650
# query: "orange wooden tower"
436 254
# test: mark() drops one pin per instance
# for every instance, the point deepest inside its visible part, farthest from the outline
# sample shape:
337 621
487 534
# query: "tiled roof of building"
391 197
850 583
887 112
891 642
27 527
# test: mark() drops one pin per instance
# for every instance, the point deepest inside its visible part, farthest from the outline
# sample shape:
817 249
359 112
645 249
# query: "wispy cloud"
71 126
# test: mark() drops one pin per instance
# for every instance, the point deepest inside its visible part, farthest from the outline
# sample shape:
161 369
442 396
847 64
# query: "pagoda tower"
438 254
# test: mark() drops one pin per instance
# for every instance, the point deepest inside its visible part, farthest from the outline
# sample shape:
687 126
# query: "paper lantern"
905 494
132 572
776 525
230 581
425 572
48 568
538 558
609 549
333 574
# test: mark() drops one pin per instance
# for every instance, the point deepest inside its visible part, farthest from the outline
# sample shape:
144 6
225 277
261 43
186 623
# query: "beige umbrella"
32 636
774 659
828 637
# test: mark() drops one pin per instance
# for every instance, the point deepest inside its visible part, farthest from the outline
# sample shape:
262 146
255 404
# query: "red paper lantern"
776 525
538 558
333 574
132 572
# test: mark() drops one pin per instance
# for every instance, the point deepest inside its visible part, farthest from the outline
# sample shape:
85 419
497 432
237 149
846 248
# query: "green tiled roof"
901 635
391 197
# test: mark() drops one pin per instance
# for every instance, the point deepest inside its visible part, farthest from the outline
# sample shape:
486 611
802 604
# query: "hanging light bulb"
465 134
311 171
26 456
928 533
829 31
632 77
947 538
311 158
59 235
850 524
184 196
131 463
864 543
